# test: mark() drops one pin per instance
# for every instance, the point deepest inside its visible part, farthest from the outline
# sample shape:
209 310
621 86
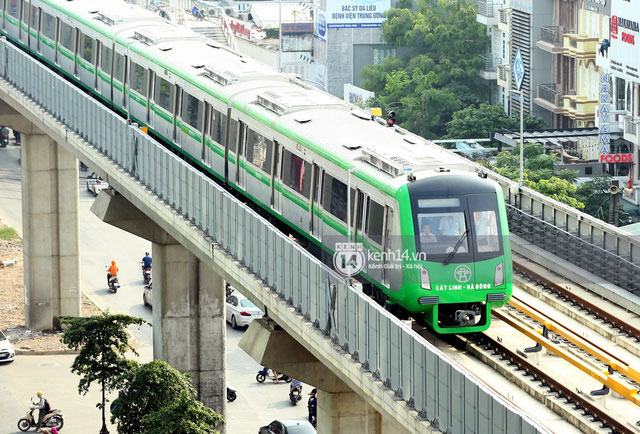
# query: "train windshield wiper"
456 247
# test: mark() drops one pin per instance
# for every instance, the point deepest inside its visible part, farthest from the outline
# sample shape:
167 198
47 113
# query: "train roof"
328 126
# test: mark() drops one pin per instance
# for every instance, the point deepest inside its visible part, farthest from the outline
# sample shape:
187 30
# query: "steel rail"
628 392
579 402
587 345
580 302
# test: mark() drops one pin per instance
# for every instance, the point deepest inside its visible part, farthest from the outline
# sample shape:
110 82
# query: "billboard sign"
599 6
356 13
604 99
320 25
356 95
625 32
518 69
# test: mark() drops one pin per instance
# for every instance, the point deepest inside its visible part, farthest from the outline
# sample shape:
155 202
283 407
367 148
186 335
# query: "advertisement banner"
320 25
356 95
599 6
356 13
624 54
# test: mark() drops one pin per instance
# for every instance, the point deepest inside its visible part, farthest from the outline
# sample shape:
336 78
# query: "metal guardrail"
583 253
436 387
549 93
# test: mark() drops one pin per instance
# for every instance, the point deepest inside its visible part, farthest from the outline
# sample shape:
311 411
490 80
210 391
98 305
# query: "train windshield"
458 229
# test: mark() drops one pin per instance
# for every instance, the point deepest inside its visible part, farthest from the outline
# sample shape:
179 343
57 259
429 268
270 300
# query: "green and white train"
432 233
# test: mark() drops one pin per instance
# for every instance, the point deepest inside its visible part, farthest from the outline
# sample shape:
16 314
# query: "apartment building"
513 25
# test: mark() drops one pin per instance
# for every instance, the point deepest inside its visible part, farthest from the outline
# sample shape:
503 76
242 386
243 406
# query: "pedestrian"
313 406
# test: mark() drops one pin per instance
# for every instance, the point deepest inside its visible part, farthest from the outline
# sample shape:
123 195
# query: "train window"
486 230
66 36
218 126
35 17
105 59
259 150
164 94
139 78
14 8
85 50
334 197
296 173
118 68
375 213
192 111
233 135
49 26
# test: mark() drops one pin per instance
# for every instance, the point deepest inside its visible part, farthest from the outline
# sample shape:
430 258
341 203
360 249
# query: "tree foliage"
594 193
442 73
103 342
146 389
183 416
480 121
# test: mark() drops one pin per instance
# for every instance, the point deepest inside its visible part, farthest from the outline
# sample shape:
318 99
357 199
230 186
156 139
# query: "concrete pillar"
188 320
346 412
50 230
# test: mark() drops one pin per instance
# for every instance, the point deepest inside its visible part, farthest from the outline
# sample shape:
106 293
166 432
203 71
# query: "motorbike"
4 138
265 373
228 289
231 393
295 394
146 274
114 284
53 419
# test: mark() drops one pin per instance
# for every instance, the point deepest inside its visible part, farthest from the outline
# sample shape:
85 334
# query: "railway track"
568 357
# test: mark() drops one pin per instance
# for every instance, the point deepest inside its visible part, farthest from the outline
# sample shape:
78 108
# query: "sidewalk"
20 380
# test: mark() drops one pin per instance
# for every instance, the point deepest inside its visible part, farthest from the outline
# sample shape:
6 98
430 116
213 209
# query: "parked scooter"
146 274
265 373
295 392
231 393
52 419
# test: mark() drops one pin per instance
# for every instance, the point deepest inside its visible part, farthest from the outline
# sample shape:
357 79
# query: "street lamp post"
521 95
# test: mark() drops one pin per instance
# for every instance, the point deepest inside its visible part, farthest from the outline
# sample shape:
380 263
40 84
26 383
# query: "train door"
177 102
206 156
23 23
358 219
151 85
276 191
241 175
316 210
34 27
387 227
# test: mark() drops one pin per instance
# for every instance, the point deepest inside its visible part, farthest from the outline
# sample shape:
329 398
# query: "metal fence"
436 387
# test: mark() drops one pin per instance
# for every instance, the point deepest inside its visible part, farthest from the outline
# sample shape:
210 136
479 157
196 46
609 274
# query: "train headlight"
425 281
498 276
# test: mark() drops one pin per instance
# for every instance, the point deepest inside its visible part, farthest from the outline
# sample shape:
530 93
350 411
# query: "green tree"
441 74
594 193
479 121
183 416
145 389
558 189
103 342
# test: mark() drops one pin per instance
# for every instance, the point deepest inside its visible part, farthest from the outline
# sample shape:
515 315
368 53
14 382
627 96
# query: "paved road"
257 404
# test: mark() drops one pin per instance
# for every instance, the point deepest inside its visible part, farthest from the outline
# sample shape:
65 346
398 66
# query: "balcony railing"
503 72
486 8
631 126
550 34
489 63
549 93
503 16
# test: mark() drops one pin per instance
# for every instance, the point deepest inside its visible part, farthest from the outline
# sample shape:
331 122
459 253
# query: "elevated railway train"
428 234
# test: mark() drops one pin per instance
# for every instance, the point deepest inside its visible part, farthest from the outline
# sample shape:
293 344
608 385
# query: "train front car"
458 265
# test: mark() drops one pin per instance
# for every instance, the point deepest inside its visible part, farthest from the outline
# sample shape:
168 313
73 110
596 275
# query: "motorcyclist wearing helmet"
112 272
146 261
42 409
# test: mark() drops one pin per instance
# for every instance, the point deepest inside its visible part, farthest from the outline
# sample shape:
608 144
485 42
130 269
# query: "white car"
240 311
7 353
95 184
